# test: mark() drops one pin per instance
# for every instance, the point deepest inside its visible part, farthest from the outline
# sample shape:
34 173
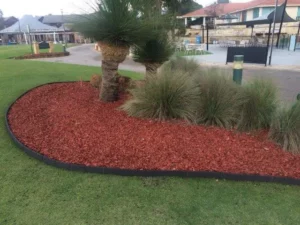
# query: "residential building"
63 22
227 13
237 12
8 21
55 28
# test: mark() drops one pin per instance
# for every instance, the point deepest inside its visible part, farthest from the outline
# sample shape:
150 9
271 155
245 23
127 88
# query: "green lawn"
8 51
32 193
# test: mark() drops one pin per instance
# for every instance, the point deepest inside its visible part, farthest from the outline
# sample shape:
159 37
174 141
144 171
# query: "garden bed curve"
167 170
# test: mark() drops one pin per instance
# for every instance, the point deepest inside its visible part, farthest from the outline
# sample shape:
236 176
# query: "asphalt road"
287 81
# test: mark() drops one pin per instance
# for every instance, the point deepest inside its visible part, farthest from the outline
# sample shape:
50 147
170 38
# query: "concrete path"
287 77
86 55
281 59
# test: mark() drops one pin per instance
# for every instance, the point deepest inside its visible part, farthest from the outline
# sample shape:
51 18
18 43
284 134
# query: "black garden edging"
146 173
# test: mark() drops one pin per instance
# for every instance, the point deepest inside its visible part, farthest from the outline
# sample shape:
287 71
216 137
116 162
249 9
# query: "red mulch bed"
67 122
43 55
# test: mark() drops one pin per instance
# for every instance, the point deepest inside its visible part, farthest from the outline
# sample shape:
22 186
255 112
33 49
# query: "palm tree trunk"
112 57
151 68
109 90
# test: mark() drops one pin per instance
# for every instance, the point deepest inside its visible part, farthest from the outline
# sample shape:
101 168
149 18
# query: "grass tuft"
220 100
166 95
285 128
186 66
260 103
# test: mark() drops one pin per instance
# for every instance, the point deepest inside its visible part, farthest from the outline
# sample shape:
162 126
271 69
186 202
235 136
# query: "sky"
18 8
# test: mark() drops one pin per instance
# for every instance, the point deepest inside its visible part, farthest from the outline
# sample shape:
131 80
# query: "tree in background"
176 8
181 7
157 49
116 27
154 53
1 20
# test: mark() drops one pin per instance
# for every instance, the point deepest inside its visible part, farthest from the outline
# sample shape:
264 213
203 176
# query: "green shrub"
187 66
285 128
260 103
220 100
157 50
166 95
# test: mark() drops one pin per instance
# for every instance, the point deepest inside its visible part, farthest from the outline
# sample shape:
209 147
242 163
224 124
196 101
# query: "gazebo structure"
29 29
280 17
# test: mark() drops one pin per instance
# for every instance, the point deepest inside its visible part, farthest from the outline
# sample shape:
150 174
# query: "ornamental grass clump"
219 102
285 128
187 66
260 104
166 95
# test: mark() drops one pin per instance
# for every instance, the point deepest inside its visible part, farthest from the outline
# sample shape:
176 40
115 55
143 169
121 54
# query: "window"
267 10
298 14
244 16
255 13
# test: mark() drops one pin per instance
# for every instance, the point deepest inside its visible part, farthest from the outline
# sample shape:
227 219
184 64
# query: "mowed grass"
32 193
9 51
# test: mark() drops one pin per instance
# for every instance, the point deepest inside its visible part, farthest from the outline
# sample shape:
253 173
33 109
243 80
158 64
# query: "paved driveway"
86 55
283 59
288 81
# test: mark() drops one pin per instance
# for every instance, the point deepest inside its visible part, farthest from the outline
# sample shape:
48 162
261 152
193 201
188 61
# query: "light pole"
274 25
63 25
30 41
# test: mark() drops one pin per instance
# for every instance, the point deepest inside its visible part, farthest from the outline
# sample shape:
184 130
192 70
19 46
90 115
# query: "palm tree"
153 53
116 27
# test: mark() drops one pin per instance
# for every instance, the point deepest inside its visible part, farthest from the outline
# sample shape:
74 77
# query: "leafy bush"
157 50
187 66
260 103
285 128
166 95
220 100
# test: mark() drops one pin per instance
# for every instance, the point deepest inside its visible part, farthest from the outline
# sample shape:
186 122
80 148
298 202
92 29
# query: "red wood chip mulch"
67 122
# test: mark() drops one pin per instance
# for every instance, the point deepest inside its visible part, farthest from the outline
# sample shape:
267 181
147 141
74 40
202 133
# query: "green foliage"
260 103
154 51
186 66
181 7
166 95
220 100
285 128
114 22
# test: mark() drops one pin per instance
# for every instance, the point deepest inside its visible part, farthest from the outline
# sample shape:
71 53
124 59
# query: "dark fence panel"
256 55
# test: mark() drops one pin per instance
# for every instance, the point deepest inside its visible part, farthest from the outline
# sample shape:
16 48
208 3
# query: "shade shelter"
277 16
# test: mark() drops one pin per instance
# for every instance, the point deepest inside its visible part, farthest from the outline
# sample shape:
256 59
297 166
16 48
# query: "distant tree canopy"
181 7
178 7
1 20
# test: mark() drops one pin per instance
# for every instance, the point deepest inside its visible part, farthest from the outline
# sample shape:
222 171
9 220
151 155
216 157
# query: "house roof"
51 19
225 8
35 26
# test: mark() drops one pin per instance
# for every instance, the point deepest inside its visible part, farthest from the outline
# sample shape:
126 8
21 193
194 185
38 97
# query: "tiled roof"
222 9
